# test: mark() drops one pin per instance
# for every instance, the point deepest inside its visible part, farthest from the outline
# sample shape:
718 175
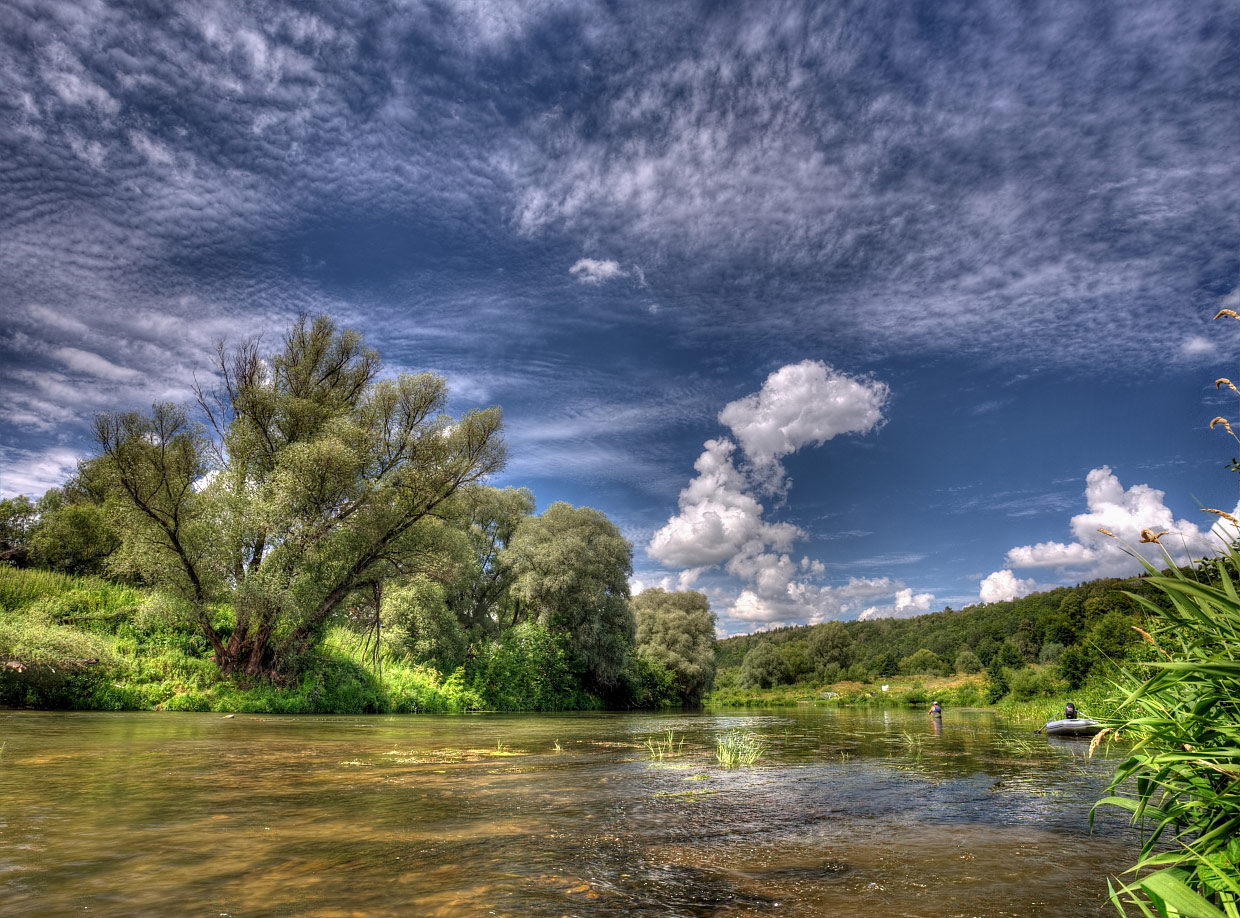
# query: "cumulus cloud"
721 523
589 271
907 605
718 516
1002 586
802 404
720 520
802 602
1125 514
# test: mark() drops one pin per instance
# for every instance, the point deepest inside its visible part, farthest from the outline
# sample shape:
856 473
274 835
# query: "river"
866 813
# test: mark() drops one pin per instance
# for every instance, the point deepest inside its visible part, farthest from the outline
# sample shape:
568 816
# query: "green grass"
88 644
668 747
738 748
902 691
1181 779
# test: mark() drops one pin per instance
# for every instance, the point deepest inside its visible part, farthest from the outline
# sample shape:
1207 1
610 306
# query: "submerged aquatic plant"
739 747
667 748
1181 780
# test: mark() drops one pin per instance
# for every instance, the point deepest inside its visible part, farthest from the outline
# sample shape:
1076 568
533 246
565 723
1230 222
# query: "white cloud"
1197 346
589 271
721 523
718 516
32 472
1125 513
1002 586
907 604
802 404
87 362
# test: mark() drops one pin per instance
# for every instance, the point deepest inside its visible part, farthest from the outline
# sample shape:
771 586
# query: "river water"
847 813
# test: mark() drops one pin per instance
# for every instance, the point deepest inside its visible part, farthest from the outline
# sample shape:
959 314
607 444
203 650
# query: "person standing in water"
936 710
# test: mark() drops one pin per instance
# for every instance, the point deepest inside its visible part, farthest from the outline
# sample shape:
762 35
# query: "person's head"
935 704
1070 708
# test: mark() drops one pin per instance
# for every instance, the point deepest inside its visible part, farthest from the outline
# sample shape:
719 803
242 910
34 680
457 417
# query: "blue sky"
836 309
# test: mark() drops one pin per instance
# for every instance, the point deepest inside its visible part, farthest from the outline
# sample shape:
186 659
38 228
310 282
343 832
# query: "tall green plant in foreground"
1182 777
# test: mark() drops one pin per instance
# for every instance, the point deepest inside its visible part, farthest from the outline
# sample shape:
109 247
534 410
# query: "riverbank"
958 692
82 643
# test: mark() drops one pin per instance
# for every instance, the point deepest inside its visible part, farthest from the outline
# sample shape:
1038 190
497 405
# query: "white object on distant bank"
885 687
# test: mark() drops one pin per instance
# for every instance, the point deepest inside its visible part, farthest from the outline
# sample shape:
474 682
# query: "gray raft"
1077 726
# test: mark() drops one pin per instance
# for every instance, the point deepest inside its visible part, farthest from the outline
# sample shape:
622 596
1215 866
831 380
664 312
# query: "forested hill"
1070 626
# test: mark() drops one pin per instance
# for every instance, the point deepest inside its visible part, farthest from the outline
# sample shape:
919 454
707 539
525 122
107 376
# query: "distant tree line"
1073 629
309 491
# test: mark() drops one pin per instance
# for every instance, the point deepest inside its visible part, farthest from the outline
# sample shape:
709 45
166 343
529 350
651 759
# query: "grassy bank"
953 692
88 644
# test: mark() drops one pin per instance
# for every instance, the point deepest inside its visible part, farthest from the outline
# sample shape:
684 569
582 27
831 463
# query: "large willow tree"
313 481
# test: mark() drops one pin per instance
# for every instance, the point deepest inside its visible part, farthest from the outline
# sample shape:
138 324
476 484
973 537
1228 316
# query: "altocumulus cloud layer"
610 216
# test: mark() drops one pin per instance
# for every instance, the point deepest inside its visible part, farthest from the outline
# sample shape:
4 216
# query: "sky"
837 310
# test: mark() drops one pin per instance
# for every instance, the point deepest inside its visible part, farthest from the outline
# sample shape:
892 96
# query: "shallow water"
848 813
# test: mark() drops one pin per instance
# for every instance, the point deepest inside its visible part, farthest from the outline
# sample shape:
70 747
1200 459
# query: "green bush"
647 683
883 664
1051 652
859 672
1027 684
967 662
923 662
528 668
421 690
763 667
828 673
1074 665
1180 777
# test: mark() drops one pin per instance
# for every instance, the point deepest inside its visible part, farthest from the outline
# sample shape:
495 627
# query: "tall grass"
666 748
739 747
20 586
1181 780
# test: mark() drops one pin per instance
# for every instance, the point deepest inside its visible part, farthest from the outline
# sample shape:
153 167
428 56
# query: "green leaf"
1167 886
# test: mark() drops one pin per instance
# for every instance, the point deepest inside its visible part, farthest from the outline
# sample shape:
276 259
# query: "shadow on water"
847 813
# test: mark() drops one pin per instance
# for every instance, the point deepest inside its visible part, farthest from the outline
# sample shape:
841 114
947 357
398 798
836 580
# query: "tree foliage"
677 630
320 480
571 567
763 667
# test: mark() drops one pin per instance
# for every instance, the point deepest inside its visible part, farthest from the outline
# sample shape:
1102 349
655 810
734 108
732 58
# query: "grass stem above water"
739 748
669 747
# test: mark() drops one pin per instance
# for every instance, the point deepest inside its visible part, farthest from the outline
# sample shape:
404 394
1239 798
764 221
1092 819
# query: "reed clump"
1181 779
738 748
668 747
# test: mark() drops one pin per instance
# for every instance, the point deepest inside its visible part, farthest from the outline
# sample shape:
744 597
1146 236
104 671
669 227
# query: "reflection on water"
848 813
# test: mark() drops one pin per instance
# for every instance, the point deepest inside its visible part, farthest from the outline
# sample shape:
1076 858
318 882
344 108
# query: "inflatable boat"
1077 726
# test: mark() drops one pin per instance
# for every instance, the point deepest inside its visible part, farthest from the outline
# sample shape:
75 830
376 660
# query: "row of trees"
1074 628
315 492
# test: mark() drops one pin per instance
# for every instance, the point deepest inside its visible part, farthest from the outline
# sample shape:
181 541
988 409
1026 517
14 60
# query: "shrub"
1027 684
1051 652
420 690
647 683
859 672
528 668
763 667
1074 665
923 662
967 662
828 673
883 664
